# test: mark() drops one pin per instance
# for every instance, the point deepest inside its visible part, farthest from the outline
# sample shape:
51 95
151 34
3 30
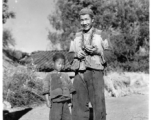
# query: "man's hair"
57 56
86 11
91 16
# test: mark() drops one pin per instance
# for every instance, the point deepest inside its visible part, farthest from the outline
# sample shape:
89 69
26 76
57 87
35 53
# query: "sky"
31 25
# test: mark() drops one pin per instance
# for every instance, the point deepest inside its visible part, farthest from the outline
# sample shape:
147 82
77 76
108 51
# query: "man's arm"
105 44
105 40
76 50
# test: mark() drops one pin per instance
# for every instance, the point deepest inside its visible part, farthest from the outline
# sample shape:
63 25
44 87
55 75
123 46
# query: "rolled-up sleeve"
46 85
72 46
98 44
105 44
105 40
70 85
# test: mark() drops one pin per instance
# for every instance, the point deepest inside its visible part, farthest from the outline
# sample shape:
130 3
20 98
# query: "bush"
22 87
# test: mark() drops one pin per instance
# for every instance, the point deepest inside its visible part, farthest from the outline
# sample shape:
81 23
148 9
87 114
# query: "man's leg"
95 83
80 109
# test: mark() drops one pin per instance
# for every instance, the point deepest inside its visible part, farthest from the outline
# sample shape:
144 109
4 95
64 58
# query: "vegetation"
123 84
21 87
6 13
8 39
7 35
15 55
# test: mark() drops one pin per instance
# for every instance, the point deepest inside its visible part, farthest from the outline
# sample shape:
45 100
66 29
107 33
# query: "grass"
21 87
125 83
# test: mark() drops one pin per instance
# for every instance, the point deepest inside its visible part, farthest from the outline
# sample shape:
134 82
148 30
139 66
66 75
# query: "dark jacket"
58 86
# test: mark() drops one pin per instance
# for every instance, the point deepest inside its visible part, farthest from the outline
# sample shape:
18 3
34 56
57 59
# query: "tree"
7 39
7 35
7 14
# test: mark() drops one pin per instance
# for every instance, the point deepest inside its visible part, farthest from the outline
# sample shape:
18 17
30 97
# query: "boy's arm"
47 89
48 103
46 85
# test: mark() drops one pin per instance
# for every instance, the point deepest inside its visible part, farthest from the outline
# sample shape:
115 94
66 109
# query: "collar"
89 32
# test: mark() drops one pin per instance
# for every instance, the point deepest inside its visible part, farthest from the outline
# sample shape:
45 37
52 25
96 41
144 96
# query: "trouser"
91 88
60 111
80 110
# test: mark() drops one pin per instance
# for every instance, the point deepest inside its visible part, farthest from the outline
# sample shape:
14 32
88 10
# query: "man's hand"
81 54
48 104
91 49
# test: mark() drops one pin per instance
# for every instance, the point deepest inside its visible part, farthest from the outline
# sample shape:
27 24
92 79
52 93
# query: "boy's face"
86 22
59 64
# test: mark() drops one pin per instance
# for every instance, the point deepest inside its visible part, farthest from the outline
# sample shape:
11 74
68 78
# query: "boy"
58 90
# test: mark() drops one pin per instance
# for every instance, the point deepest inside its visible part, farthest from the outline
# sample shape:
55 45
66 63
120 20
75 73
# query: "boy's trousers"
60 111
90 88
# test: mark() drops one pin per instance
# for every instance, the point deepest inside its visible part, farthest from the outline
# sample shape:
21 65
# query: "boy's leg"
56 111
80 110
66 115
95 83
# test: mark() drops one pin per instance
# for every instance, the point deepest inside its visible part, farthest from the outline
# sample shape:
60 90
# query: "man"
88 47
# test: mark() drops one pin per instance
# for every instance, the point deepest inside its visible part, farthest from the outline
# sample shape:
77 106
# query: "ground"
133 107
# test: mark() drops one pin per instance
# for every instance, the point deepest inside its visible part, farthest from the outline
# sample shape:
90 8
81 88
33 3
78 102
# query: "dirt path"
133 107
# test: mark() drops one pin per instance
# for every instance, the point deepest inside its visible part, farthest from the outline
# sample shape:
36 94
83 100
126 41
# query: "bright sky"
30 27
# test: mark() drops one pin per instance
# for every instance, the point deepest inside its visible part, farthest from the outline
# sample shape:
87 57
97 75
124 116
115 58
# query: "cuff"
96 52
72 90
45 92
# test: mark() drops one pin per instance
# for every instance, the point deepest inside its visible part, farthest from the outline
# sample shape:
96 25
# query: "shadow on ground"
14 115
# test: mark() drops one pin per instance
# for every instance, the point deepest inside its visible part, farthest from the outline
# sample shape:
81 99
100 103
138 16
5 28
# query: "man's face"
86 22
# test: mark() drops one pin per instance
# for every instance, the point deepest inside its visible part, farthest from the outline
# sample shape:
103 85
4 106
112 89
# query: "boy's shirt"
58 86
97 40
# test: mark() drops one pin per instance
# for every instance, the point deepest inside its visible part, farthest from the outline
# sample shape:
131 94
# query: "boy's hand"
70 104
48 104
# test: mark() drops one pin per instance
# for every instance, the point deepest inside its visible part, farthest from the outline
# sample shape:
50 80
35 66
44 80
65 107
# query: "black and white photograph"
75 59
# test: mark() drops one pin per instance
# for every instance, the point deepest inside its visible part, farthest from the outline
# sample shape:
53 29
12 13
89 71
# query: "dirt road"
133 107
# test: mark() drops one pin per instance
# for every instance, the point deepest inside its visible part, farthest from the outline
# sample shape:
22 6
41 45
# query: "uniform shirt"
97 40
58 86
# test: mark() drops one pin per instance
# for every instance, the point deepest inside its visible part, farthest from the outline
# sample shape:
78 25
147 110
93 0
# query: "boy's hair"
57 56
